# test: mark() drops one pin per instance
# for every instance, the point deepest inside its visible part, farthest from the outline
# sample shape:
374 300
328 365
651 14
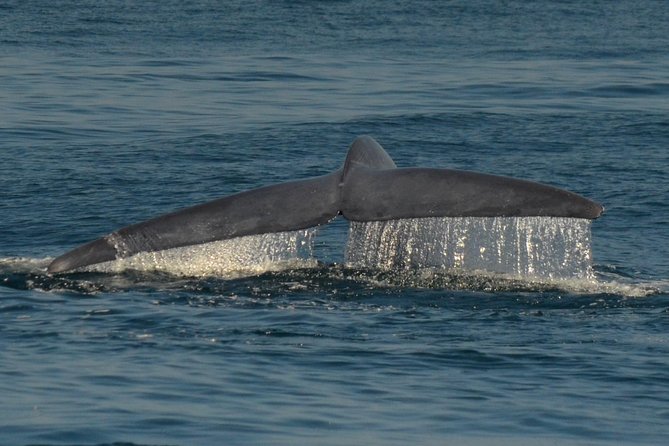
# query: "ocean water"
115 112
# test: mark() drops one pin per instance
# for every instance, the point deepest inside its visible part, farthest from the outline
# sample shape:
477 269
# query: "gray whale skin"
367 187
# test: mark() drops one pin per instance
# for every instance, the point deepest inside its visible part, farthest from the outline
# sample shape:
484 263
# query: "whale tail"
368 187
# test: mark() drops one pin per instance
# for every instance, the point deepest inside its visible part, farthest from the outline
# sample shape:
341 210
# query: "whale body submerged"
368 187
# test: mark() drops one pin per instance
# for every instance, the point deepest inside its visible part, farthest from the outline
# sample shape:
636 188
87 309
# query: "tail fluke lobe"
282 207
370 194
97 251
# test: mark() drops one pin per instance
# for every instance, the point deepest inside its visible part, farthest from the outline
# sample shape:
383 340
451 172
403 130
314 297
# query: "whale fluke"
368 187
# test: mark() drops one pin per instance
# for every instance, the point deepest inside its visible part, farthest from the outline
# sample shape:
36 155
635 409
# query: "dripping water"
529 247
238 256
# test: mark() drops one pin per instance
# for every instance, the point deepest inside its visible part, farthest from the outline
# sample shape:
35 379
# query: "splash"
240 256
542 248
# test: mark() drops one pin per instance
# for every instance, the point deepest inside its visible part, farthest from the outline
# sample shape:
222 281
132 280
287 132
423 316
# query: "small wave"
23 273
20 265
618 90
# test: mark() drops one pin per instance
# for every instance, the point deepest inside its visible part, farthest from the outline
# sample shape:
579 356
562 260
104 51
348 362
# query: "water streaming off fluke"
252 254
529 247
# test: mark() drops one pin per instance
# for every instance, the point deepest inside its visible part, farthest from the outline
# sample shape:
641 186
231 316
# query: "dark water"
114 113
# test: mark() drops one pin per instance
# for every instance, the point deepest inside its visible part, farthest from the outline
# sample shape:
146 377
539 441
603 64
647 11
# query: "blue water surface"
115 112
